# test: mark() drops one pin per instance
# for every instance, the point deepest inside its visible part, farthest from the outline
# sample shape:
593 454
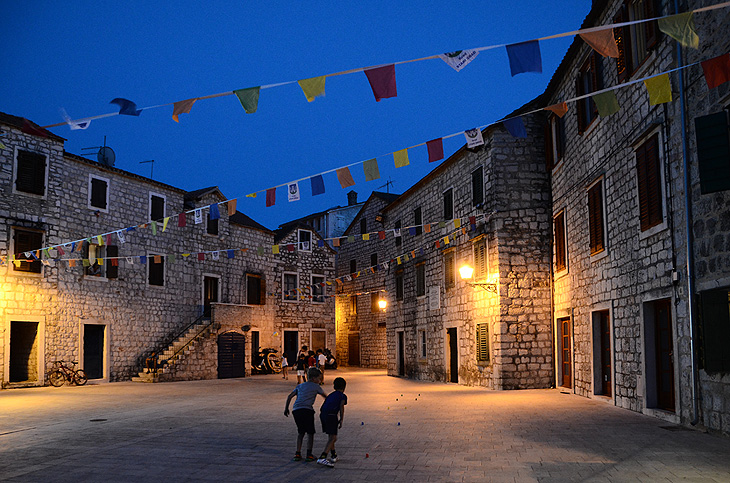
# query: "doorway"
319 340
660 354
291 346
23 352
453 344
94 350
231 355
566 359
210 293
353 349
401 354
602 357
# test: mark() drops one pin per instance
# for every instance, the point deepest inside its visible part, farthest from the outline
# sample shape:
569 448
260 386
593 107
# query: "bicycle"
63 373
267 361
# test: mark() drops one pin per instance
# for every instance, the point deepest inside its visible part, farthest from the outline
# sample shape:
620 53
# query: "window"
305 240
363 226
102 261
353 266
590 79
715 330
422 343
418 220
477 187
290 285
561 259
595 217
482 342
449 204
398 237
449 269
713 152
30 173
481 266
212 226
25 241
98 193
420 279
157 207
374 260
648 173
317 223
399 284
156 267
255 289
554 141
374 298
353 304
318 289
634 41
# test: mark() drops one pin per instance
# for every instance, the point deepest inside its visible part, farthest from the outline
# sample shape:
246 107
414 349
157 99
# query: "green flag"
371 169
401 158
681 28
249 98
606 103
313 87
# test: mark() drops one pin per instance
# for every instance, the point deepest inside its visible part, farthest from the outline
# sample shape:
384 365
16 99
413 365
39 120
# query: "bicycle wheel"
56 378
274 362
80 377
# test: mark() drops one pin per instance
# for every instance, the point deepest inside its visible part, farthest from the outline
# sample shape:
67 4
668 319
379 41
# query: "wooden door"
401 354
231 355
210 293
453 355
605 346
353 346
291 346
664 355
566 368
94 351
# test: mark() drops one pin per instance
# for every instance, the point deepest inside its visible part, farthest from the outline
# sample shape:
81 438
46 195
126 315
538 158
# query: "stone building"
626 321
196 295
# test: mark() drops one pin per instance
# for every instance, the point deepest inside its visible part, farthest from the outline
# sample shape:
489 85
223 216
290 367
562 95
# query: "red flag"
201 256
381 235
382 81
472 220
181 220
115 262
717 70
270 197
108 238
290 247
435 150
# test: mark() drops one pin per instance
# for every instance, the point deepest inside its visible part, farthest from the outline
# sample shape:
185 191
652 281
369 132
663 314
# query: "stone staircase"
177 350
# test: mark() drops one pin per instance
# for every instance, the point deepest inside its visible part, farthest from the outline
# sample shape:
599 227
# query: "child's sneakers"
297 457
325 462
309 458
334 457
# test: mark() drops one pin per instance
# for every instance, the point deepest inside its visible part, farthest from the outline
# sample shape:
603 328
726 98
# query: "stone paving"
235 430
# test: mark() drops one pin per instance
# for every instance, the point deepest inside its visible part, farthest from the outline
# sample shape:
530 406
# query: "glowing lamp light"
466 272
382 303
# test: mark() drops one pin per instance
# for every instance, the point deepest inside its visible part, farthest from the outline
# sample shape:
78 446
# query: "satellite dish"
106 156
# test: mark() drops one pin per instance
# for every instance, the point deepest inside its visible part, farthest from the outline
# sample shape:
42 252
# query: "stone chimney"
351 198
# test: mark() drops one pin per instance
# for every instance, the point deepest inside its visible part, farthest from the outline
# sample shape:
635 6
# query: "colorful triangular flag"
312 87
524 57
382 81
344 177
249 98
459 59
660 89
182 107
602 41
126 107
317 183
607 103
401 158
370 167
435 149
681 27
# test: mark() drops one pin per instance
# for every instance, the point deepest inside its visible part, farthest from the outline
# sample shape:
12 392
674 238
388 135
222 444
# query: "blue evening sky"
79 55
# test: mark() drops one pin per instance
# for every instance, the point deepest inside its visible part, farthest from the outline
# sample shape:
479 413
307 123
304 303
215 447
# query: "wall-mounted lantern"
467 272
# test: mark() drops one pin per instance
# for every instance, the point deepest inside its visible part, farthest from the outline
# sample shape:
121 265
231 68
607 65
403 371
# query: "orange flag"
182 107
232 207
559 109
345 178
602 41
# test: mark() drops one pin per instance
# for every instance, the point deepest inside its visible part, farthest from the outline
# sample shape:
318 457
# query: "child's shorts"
300 372
305 420
330 422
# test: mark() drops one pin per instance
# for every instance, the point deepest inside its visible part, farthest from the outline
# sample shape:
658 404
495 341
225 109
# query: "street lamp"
382 304
467 272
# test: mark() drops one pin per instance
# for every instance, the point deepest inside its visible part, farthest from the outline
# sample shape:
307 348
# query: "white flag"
130 260
473 138
120 236
293 191
458 60
216 255
74 125
198 216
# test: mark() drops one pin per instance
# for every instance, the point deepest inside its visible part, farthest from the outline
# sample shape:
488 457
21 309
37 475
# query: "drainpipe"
690 245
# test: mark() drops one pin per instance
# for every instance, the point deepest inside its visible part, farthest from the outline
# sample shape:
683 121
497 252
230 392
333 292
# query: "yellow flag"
401 158
313 87
457 222
251 195
98 239
164 223
275 249
100 261
366 236
660 89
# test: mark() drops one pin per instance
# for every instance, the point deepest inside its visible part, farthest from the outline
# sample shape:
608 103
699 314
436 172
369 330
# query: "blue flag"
515 127
126 107
317 185
231 253
524 57
214 213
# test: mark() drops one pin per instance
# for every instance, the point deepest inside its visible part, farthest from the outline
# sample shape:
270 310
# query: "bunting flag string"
716 71
523 56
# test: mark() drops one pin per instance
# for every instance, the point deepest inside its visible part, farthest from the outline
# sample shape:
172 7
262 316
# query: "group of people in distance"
310 378
306 359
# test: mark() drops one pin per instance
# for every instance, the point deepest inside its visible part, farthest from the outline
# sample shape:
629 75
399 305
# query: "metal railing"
151 361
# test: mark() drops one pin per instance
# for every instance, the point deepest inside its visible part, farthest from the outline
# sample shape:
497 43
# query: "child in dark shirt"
331 414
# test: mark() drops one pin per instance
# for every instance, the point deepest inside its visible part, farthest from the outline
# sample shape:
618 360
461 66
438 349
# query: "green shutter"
713 152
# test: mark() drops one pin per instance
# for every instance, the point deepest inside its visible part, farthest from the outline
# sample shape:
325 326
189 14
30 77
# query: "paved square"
235 430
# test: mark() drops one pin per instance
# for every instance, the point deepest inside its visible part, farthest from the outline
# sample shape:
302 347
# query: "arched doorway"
231 355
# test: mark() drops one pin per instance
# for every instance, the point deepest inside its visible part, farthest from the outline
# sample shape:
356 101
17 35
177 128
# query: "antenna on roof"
387 185
152 165
104 154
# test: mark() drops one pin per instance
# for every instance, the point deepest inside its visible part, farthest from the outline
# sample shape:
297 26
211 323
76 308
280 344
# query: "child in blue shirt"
303 411
331 414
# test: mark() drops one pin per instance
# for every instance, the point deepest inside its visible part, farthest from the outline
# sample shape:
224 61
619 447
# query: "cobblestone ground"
235 430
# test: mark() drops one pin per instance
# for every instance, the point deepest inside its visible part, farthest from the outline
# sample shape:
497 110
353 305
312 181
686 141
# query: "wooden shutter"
649 183
482 342
448 204
480 258
560 255
595 217
713 152
418 220
156 271
98 193
596 73
30 175
477 186
581 111
363 226
651 30
560 137
623 42
111 270
374 297
262 291
157 208
449 272
715 330
549 159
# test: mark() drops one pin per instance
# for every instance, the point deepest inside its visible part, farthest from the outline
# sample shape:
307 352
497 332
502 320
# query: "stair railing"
152 360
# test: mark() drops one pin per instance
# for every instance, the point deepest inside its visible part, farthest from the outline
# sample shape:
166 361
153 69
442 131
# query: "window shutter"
111 270
641 176
480 258
623 42
715 331
477 186
31 173
262 291
560 138
595 218
418 220
560 258
654 181
158 208
549 160
581 105
98 193
26 241
713 152
448 204
651 31
482 342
